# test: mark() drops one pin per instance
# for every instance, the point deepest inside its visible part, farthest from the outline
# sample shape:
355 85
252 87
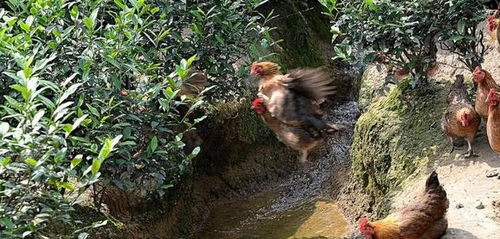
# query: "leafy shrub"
41 175
464 38
83 81
404 33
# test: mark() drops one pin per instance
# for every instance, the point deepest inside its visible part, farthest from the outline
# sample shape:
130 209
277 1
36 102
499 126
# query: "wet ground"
260 217
300 207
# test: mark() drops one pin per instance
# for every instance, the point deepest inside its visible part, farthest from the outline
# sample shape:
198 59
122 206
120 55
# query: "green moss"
241 121
302 33
398 135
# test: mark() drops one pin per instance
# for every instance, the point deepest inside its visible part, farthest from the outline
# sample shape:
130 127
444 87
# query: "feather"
314 84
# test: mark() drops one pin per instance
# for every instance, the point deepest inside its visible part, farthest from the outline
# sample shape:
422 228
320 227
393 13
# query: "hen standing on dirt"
493 124
291 104
460 119
423 218
484 82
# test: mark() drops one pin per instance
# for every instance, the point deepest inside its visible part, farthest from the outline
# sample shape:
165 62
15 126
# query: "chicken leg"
303 156
469 152
452 145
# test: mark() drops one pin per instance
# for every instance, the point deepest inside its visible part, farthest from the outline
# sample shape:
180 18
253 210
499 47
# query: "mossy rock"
396 136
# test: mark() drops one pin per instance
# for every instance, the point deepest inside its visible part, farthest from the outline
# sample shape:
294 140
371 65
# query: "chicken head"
493 97
365 228
258 106
264 68
478 75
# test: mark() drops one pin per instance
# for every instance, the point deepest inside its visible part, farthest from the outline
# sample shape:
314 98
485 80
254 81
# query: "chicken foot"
332 128
470 152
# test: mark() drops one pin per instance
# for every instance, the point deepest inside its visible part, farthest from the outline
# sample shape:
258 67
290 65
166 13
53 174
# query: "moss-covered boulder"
396 136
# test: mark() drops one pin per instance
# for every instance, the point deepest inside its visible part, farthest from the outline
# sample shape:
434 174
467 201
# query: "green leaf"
61 110
67 128
190 61
335 30
37 118
195 152
76 161
96 165
153 144
4 128
93 111
25 93
120 4
163 35
108 147
461 26
39 65
89 23
31 161
74 12
99 224
5 161
68 92
26 233
47 102
166 186
77 123
58 158
66 185
83 235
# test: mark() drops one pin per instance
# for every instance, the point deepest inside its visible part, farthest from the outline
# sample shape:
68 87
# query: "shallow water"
260 217
299 207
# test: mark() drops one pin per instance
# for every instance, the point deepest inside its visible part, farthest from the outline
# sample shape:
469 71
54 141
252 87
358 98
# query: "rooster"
292 102
460 119
423 218
485 82
493 124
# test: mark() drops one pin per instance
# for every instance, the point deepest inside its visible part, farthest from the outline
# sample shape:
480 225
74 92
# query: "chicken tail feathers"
458 91
432 181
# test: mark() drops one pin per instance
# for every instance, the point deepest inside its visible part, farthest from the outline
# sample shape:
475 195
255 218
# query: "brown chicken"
493 124
296 137
493 23
484 82
460 120
423 218
194 84
291 104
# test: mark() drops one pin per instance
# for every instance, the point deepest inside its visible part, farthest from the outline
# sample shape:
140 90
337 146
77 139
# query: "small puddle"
262 217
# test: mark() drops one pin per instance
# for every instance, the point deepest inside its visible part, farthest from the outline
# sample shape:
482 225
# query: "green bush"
405 33
91 94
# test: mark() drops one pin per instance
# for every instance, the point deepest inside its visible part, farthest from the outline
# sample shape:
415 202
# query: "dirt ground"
467 187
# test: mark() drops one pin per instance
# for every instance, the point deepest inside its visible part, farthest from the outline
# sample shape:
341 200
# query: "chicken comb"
477 69
493 92
363 223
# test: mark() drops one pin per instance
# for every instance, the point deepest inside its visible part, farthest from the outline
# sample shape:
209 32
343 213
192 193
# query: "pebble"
458 206
492 173
480 205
